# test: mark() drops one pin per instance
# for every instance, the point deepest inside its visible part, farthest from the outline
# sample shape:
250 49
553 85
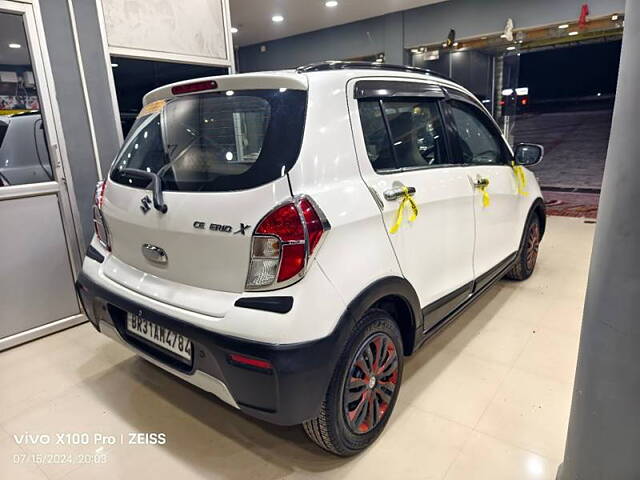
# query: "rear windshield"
215 142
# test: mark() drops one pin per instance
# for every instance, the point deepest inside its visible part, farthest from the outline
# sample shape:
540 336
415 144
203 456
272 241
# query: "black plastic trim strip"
488 276
472 298
94 254
396 89
267 304
436 311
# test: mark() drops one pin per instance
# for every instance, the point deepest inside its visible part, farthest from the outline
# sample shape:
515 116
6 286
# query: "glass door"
38 246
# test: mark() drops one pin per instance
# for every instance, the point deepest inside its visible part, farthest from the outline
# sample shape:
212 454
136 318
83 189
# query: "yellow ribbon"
521 179
486 200
406 200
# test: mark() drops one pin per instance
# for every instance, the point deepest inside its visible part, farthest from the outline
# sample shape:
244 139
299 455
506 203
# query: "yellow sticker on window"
152 107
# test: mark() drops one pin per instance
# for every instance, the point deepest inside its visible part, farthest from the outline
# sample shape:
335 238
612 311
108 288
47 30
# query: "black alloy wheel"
363 389
371 383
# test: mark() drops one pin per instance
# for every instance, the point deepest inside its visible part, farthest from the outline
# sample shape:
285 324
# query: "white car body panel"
217 312
435 250
327 171
197 257
498 226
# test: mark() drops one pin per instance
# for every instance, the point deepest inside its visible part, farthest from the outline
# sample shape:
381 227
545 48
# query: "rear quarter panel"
357 250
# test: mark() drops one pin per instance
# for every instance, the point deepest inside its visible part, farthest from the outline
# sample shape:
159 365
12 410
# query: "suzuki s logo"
216 227
146 204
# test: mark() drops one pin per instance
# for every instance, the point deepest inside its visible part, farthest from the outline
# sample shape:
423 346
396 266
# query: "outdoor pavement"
575 145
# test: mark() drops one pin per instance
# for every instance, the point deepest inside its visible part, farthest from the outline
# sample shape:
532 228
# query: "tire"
528 254
346 428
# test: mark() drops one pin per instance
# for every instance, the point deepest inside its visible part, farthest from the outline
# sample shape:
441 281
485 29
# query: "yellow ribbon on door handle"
521 179
406 200
486 200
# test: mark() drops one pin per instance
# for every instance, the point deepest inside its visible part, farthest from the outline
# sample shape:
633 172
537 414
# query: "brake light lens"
236 358
194 87
284 243
99 224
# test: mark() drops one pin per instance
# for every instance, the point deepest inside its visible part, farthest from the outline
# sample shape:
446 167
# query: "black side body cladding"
436 311
383 293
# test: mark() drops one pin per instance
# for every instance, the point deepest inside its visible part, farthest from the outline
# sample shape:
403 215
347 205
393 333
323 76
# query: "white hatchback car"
284 239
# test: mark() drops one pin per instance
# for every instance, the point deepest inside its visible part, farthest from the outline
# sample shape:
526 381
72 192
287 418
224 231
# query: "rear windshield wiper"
156 186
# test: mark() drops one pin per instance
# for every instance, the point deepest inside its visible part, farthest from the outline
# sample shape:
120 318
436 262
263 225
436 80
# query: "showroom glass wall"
37 274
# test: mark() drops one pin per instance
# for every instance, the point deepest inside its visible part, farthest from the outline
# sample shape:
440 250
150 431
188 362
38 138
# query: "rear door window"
417 133
217 141
376 139
403 134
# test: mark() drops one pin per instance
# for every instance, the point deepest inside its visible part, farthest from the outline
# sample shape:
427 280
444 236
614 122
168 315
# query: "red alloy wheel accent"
371 383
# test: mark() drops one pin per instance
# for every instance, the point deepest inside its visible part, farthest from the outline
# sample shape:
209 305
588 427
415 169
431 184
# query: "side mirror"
529 154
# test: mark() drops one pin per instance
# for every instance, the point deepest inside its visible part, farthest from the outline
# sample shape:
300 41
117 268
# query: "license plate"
159 335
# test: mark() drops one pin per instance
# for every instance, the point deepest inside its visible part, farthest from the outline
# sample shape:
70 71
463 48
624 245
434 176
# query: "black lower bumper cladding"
287 394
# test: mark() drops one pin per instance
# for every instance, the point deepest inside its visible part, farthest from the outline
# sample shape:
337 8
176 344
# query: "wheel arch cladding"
397 297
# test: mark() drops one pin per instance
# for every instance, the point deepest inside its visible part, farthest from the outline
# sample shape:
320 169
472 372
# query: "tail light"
98 219
283 244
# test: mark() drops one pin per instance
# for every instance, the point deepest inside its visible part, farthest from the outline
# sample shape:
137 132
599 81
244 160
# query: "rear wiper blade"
156 186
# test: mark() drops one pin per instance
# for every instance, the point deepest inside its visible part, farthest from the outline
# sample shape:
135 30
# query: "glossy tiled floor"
487 399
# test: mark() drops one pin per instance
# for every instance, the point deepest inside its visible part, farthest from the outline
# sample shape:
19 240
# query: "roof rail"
344 65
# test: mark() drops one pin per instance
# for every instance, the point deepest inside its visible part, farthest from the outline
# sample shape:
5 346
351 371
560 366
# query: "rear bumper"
288 394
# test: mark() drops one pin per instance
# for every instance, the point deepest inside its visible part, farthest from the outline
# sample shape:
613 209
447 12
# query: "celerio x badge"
242 229
217 227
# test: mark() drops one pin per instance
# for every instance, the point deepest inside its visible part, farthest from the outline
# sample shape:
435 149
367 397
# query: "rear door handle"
398 192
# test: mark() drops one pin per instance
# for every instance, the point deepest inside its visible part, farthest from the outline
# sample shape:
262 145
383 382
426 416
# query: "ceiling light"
331 3
573 34
415 50
114 65
379 60
277 18
234 30
14 45
455 44
614 18
511 48
563 26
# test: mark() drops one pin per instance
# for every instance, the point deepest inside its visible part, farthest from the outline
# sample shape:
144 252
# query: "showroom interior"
536 379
